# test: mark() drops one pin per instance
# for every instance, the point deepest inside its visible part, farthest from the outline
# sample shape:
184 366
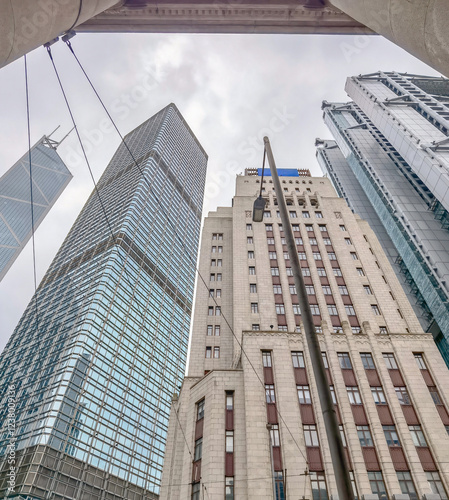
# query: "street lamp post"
341 471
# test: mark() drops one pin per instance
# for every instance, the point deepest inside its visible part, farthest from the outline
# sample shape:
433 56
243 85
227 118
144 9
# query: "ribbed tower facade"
49 178
247 422
393 139
94 361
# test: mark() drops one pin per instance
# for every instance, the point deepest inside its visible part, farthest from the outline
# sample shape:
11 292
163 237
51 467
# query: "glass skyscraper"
391 149
50 177
94 365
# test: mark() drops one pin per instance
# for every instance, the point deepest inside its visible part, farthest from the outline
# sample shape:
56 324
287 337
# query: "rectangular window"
210 311
280 309
311 435
214 249
406 484
417 435
350 310
229 441
208 352
348 241
274 271
383 330
219 262
343 290
249 227
360 271
298 241
377 485
305 271
254 307
286 256
196 491
390 360
271 255
200 409
354 395
345 360
216 352
318 483
337 271
229 400
302 256
210 330
295 227
217 311
375 309
268 227
378 395
252 288
277 289
313 241
332 310
296 309
334 397
342 228
249 240
310 290
198 449
250 254
270 241
326 364
303 394
218 293
219 276
364 435
327 290
293 214
255 327
354 256
229 488
212 277
331 255
403 396
267 214
279 485
434 480
309 228
266 358
213 262
217 330
211 292
420 361
292 289
435 396
318 215
220 249
269 393
274 434
298 359
391 435
356 329
323 228
368 361
327 241
252 270
315 310
317 256
321 271
367 289
306 215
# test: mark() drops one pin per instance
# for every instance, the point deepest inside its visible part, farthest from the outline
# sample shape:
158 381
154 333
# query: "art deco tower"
93 370
248 418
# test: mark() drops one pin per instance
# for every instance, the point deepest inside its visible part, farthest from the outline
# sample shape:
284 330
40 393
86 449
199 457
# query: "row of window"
293 214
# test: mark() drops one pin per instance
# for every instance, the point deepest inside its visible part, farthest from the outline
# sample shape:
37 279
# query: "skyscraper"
95 359
247 419
393 150
50 178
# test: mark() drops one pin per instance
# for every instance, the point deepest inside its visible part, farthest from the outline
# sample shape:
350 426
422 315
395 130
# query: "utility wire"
31 192
175 232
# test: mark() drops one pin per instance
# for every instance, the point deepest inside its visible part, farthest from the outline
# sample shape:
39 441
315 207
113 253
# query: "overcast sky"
231 89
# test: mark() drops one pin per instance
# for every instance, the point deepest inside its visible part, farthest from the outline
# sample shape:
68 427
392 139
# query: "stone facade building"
247 420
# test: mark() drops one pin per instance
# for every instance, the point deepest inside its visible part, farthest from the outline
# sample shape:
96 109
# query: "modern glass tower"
393 151
97 355
50 178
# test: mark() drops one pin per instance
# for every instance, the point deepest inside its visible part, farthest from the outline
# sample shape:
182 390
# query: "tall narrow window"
198 449
378 395
269 393
254 307
391 435
196 491
266 359
311 435
319 488
417 435
229 488
390 361
377 484
345 360
216 352
364 435
210 330
200 409
229 441
434 480
406 484
420 361
298 359
303 394
354 395
217 330
229 400
368 361
252 288
208 352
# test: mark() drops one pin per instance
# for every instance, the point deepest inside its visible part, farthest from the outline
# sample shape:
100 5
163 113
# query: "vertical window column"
198 449
229 446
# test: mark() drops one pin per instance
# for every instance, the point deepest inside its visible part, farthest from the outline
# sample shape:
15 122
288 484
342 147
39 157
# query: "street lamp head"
258 209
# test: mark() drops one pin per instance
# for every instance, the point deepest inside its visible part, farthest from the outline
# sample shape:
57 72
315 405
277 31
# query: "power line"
175 232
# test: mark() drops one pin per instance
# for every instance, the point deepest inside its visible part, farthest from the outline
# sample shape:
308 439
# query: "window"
354 395
268 227
271 255
214 249
217 330
229 488
367 360
279 485
219 276
254 307
252 270
211 311
277 289
403 396
298 241
367 289
219 262
305 215
417 435
334 397
348 241
211 292
356 329
337 271
255 327
342 228
293 214
250 254
434 480
316 255
267 214
354 256
364 435
266 358
280 309
252 288
383 330
309 228
296 309
377 485
292 289
311 435
216 352
326 364
213 262
302 256
198 449
345 360
212 277
406 484
360 271
295 227
390 361
375 309
420 361
310 290
313 241
196 491
286 256
274 434
343 290
282 328
270 241
289 271
229 441
200 410
305 271
269 393
303 394
331 255
327 290
217 311
208 352
378 395
321 271
220 249
298 359
283 241
350 310
218 293
391 435
332 310
327 241
318 483
435 396
315 310
210 330
249 227
274 271
318 215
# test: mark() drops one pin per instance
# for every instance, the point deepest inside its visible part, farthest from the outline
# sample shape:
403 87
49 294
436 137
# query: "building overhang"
222 16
